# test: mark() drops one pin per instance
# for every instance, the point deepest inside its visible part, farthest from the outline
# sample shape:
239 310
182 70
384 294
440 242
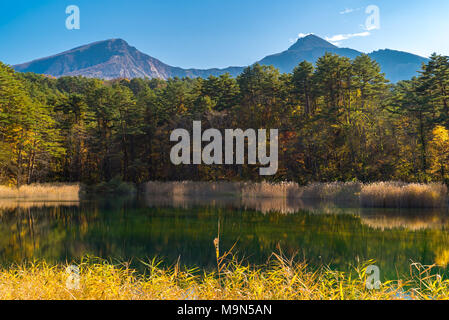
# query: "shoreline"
368 195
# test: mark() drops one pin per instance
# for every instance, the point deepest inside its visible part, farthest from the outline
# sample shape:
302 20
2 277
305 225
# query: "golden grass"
374 195
271 190
400 195
48 192
191 188
253 190
280 279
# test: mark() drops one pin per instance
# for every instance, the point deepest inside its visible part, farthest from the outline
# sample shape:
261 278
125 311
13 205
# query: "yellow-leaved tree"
439 150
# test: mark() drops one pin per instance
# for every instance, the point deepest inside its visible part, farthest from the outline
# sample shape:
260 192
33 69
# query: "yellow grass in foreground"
48 191
281 280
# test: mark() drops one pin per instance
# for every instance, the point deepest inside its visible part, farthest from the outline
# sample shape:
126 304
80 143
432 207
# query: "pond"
338 235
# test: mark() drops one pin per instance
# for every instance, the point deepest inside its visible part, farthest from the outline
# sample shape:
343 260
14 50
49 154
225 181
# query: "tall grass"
49 192
288 190
254 190
291 190
193 189
401 195
281 278
287 194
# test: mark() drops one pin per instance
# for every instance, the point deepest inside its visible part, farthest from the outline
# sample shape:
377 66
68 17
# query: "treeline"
339 120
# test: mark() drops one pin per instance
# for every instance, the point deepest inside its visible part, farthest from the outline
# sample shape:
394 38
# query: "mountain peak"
311 42
117 42
110 45
112 59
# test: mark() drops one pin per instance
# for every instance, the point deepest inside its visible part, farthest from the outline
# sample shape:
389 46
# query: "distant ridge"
111 59
396 65
115 58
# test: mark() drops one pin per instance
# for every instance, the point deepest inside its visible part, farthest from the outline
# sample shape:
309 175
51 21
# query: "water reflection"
338 234
6 204
410 219
263 205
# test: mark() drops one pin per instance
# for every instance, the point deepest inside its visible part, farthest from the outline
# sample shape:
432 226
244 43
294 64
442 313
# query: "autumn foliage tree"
338 119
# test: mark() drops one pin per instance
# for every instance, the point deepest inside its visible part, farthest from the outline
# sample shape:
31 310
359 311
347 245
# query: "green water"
337 235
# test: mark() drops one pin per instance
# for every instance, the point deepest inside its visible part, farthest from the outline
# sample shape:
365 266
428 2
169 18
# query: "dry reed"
377 195
48 192
401 195
280 279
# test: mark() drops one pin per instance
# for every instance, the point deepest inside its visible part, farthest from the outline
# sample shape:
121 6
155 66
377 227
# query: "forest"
338 120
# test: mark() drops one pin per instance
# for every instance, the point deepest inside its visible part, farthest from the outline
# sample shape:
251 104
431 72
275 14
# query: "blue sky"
219 33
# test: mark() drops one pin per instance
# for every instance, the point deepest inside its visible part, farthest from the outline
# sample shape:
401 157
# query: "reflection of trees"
411 219
36 230
265 205
24 204
129 230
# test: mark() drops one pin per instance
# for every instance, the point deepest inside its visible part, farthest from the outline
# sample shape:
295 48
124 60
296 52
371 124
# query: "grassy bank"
280 279
370 195
377 195
402 195
65 191
48 192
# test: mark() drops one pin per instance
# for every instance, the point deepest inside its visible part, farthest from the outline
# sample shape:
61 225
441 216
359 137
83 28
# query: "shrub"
114 186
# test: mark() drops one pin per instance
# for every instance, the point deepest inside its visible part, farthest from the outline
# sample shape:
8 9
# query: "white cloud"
303 35
347 10
336 39
350 10
300 35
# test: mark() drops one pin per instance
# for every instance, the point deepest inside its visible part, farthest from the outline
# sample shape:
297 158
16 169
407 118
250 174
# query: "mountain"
309 48
111 59
396 65
115 58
